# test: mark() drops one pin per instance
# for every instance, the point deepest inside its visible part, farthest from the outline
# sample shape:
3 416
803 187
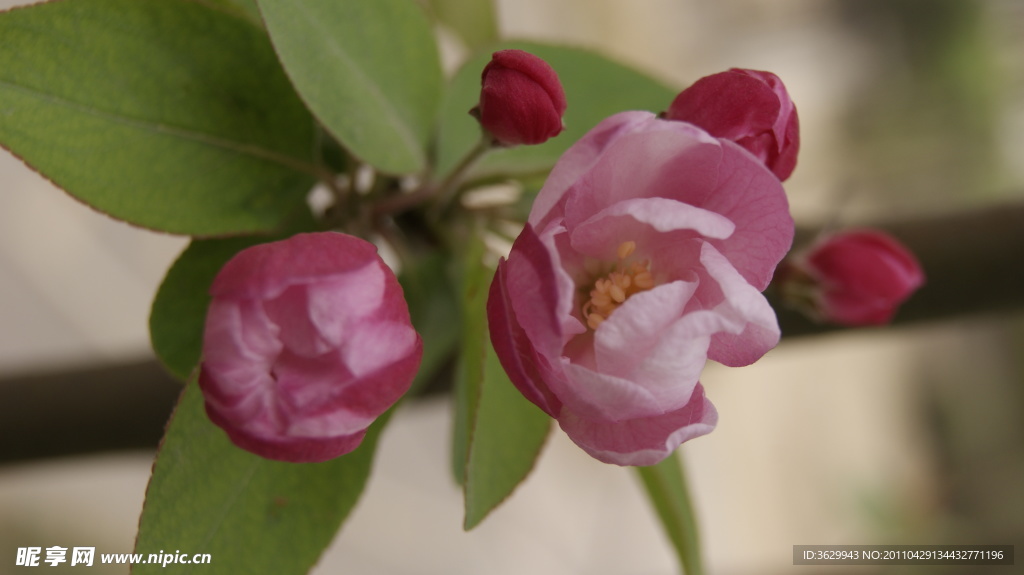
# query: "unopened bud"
749 107
521 99
853 278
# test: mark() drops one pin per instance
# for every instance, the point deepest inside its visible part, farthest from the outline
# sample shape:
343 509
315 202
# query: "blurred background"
908 434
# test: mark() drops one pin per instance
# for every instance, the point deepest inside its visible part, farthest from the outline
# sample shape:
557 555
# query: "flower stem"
447 188
667 490
442 191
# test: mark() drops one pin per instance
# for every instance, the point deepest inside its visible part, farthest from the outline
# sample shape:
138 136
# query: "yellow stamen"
613 289
617 293
626 249
600 299
644 280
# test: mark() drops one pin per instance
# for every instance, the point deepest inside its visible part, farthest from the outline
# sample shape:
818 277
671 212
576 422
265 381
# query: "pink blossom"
749 107
521 99
307 341
644 256
858 277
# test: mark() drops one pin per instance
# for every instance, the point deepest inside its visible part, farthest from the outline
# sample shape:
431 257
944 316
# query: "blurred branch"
974 262
85 410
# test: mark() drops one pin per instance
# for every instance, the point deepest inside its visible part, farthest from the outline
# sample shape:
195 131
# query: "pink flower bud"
307 341
521 99
853 278
749 107
644 256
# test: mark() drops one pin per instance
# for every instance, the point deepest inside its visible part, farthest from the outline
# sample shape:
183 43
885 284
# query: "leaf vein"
253 150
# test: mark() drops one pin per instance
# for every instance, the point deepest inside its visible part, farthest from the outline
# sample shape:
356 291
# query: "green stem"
446 191
443 191
667 489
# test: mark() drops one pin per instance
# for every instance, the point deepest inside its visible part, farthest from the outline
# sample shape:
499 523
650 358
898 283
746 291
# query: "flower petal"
579 159
336 303
377 345
643 441
666 159
240 344
758 328
265 272
601 235
540 291
285 448
516 351
678 161
754 200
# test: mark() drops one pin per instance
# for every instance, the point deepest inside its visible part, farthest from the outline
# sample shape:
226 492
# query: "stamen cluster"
616 287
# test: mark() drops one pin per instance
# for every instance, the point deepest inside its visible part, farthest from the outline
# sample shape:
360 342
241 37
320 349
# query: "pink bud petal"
307 341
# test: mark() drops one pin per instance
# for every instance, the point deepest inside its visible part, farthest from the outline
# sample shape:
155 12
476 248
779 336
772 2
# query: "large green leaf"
666 488
595 88
370 71
252 515
168 114
498 434
474 21
245 8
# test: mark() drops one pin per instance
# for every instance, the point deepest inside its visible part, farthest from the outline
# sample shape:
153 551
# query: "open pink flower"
307 341
857 277
521 99
749 107
644 255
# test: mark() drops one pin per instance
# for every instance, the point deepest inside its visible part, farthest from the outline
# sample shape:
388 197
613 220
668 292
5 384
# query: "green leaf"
506 440
469 373
499 433
179 308
178 313
667 490
245 8
168 114
433 308
252 515
473 21
370 71
595 88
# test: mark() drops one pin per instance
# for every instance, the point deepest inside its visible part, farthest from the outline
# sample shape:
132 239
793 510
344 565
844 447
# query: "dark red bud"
521 99
749 107
858 277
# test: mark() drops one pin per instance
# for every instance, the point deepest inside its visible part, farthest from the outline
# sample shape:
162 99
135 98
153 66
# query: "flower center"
614 288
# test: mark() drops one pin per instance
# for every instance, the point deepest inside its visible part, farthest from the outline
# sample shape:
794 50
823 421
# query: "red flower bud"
749 107
853 278
521 99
